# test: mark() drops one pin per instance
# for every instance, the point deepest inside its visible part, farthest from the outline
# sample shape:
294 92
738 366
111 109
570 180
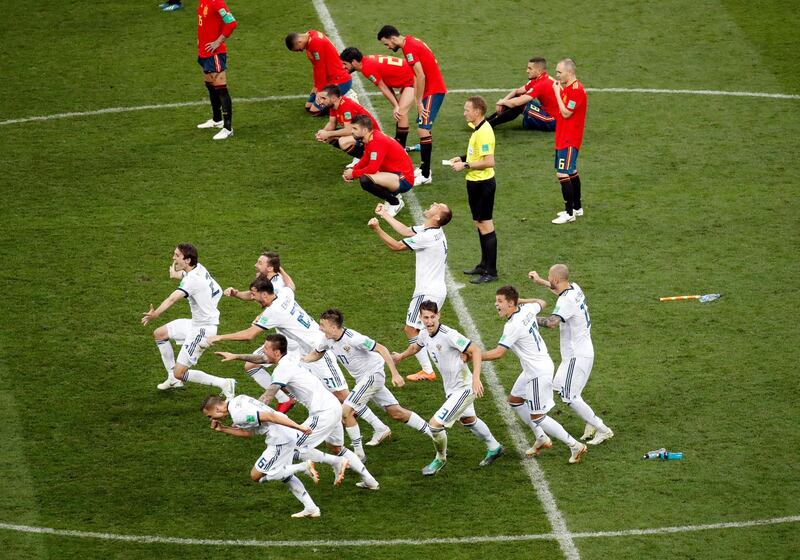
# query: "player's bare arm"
387 239
397 379
247 334
244 295
166 304
382 211
218 426
518 101
270 393
566 113
477 359
542 303
494 354
252 358
312 356
287 280
412 349
419 89
550 322
283 421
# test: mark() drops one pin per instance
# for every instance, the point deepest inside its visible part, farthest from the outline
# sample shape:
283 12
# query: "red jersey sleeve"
229 22
374 153
576 98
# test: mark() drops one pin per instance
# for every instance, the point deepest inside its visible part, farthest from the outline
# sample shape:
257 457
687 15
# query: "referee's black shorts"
481 198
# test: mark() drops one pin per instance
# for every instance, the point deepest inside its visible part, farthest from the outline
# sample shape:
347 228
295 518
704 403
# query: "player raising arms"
535 101
531 396
325 62
215 23
385 169
338 132
203 293
250 416
364 358
429 90
388 73
429 244
446 346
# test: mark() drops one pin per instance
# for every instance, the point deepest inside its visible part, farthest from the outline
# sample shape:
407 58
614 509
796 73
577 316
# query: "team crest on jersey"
439 347
346 348
316 56
571 104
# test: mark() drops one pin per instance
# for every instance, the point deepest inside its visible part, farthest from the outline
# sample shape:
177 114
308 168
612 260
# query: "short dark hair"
188 251
429 305
445 217
333 315
273 259
350 54
539 61
478 103
261 285
509 292
290 40
332 89
388 31
364 121
209 401
277 341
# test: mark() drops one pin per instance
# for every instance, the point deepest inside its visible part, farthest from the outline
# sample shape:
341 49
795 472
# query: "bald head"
569 65
560 272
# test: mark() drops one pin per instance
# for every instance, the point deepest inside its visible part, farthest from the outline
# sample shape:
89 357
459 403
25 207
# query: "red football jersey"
213 19
569 132
541 88
348 110
328 67
383 153
417 52
391 70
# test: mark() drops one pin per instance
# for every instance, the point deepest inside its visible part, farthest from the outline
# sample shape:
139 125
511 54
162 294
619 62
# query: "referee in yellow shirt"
479 163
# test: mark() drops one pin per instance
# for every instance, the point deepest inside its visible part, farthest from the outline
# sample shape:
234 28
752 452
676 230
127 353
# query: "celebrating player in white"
203 293
446 346
577 351
532 394
364 358
430 247
324 410
250 416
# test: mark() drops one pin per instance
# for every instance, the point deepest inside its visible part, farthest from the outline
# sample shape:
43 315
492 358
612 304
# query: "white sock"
299 491
585 411
167 354
318 456
283 473
203 378
553 428
364 413
260 376
481 431
424 360
439 436
525 415
282 397
356 465
419 424
354 432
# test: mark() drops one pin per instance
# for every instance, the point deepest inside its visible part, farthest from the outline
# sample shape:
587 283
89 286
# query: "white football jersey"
356 352
521 336
277 282
430 248
576 327
445 347
287 317
304 385
203 294
244 414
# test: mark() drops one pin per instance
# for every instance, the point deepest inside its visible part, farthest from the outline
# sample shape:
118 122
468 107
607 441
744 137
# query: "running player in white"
532 394
285 315
268 265
430 247
325 411
447 346
250 416
203 293
577 351
365 359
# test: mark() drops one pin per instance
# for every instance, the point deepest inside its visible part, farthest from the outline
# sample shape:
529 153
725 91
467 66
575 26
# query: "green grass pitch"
683 194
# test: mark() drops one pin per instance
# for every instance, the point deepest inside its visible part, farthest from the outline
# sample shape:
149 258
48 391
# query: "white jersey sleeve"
576 326
566 306
244 412
203 294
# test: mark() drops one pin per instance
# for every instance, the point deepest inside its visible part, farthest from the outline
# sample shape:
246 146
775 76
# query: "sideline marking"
535 473
154 539
76 114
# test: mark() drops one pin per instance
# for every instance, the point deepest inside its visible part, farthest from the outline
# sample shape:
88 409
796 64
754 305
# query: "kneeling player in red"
385 169
215 23
342 111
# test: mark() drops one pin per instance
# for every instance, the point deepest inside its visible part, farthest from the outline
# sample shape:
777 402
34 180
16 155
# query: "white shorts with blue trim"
572 376
458 405
536 389
326 426
191 338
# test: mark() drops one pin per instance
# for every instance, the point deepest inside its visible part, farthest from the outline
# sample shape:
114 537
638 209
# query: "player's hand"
306 430
212 339
396 358
397 380
374 224
175 274
321 136
382 211
396 114
464 357
557 88
533 275
348 175
149 315
230 292
423 112
477 387
212 46
216 425
458 165
226 356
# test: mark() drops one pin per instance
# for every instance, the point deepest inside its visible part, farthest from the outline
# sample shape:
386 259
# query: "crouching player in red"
385 169
215 23
342 111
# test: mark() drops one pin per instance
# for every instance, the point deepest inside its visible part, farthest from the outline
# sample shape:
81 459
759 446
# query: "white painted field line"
535 473
155 539
109 110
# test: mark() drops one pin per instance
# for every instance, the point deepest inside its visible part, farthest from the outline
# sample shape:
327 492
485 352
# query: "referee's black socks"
575 179
225 103
379 191
425 151
216 112
489 252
